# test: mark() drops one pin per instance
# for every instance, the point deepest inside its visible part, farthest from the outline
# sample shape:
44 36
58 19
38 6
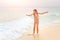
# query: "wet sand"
50 32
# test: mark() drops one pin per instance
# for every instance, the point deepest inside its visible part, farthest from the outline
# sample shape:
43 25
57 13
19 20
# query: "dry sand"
51 32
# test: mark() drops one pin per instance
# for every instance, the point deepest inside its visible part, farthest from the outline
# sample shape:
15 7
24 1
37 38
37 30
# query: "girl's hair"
35 10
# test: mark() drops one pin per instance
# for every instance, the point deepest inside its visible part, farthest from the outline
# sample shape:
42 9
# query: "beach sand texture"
50 32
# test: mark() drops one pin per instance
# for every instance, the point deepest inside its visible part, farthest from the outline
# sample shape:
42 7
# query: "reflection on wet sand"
36 37
29 37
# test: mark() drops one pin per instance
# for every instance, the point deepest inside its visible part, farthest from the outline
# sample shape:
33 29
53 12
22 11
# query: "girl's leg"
34 29
37 27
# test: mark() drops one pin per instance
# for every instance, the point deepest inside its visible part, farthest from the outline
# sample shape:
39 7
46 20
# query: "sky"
29 3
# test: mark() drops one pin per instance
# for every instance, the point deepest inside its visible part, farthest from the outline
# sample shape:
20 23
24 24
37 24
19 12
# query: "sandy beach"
50 32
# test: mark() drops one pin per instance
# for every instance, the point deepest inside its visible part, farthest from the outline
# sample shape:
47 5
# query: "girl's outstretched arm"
29 14
43 13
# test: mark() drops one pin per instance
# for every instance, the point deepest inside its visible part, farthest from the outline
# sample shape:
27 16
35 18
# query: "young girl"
36 20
